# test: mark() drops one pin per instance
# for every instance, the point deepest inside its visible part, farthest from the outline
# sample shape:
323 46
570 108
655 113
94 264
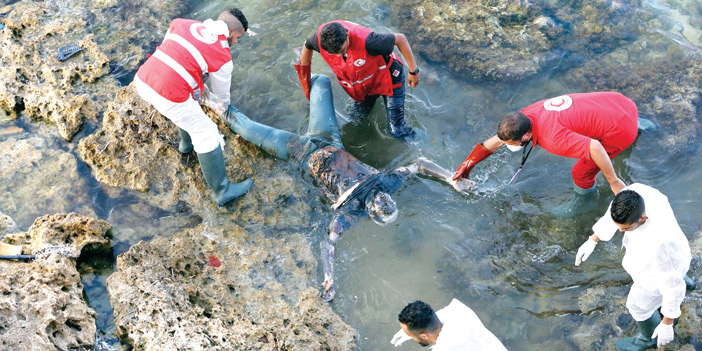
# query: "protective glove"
399 338
665 334
478 154
304 74
584 251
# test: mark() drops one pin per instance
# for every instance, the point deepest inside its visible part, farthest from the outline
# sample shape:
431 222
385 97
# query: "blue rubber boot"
646 125
582 201
323 122
212 164
272 140
642 340
186 144
689 283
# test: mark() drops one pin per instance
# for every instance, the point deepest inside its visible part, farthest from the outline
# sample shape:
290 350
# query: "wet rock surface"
511 40
667 88
42 305
594 303
36 169
68 232
602 46
235 291
136 148
69 93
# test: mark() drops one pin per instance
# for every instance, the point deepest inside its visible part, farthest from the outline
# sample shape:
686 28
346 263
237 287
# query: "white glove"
665 334
399 338
584 251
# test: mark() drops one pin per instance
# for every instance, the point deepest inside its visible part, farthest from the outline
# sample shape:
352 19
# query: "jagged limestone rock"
223 289
41 301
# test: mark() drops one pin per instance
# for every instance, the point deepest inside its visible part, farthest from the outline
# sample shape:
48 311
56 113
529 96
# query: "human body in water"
355 188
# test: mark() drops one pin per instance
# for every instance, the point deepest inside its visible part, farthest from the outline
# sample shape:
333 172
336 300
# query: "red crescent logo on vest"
200 32
359 62
560 103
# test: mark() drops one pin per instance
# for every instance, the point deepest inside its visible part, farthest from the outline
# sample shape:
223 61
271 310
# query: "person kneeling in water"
355 188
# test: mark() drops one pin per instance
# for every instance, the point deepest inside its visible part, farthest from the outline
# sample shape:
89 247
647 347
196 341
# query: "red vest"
189 50
361 74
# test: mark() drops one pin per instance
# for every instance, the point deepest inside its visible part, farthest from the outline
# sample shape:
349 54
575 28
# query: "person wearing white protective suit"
657 258
172 81
453 328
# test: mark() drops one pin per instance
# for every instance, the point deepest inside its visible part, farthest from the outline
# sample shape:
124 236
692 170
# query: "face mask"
514 148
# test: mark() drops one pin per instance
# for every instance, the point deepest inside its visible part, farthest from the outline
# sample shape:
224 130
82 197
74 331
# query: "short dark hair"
627 207
332 37
240 16
513 126
419 317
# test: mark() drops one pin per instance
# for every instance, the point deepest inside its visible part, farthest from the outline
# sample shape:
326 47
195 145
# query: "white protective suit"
462 331
657 256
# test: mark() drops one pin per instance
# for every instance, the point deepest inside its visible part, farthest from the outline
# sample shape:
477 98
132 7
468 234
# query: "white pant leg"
643 302
186 115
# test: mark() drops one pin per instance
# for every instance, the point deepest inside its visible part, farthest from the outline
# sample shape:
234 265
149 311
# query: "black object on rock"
66 52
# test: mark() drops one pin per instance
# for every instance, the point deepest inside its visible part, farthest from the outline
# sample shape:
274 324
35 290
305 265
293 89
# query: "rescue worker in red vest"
592 127
366 67
172 81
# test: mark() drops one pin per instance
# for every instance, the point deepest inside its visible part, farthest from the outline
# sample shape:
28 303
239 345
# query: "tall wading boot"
642 340
186 144
272 140
212 164
582 201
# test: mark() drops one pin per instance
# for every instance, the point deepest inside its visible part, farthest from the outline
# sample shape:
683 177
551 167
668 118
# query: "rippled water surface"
498 251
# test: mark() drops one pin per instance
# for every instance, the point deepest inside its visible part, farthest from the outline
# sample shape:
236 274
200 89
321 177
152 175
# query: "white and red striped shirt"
190 49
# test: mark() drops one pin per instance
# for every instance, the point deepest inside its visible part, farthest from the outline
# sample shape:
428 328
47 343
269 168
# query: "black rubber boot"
643 339
212 164
186 144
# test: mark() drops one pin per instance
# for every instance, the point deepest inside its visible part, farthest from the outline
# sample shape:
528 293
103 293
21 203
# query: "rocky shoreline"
263 295
223 283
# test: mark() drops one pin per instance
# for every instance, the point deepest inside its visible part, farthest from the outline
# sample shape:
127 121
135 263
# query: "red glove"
304 72
478 154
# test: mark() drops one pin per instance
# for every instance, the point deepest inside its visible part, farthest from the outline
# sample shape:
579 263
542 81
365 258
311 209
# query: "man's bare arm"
600 157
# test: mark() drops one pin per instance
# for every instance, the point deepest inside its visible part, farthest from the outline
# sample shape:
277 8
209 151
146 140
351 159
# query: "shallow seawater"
499 250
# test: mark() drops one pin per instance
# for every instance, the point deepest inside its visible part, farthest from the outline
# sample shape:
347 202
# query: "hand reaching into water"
463 185
584 251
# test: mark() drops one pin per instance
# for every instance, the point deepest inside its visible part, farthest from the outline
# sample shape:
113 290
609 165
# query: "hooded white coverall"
657 256
462 331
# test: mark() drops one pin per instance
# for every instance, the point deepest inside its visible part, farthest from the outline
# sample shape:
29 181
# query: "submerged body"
356 189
